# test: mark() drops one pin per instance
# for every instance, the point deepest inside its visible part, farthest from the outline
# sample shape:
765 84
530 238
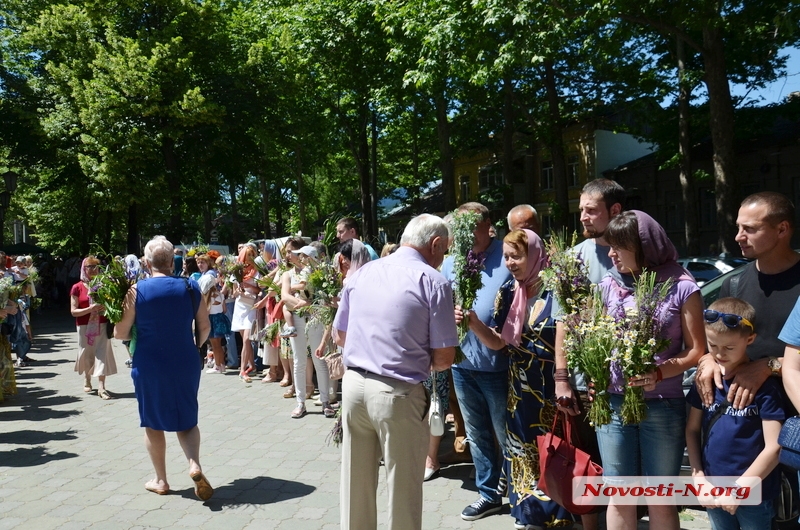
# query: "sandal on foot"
288 394
285 383
153 486
88 389
244 377
328 411
299 412
104 394
202 488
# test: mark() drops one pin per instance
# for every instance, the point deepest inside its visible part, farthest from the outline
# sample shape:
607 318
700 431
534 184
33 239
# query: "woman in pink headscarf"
526 330
95 356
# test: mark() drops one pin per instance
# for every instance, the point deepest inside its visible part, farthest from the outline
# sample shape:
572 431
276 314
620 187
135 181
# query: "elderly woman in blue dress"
527 332
166 369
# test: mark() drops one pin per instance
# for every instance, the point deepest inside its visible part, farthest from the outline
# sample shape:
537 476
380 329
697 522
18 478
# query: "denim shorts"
651 448
746 517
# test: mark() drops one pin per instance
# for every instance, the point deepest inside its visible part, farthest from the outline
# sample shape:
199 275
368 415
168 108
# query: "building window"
572 171
463 182
674 211
574 223
547 225
547 175
708 209
489 176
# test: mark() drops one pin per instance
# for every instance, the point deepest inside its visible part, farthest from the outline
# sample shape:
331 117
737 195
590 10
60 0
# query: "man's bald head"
524 216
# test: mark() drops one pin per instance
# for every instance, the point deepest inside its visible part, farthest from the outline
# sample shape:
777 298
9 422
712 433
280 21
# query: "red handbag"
559 462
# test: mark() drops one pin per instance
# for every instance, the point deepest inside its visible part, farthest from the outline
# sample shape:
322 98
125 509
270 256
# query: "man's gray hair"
527 208
421 229
158 252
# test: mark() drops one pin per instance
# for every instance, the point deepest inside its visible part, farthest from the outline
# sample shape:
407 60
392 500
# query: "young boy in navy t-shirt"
736 442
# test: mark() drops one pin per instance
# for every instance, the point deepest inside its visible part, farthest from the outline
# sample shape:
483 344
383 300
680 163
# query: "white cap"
308 250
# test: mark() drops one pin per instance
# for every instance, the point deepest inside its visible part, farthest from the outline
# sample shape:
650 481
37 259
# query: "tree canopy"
251 118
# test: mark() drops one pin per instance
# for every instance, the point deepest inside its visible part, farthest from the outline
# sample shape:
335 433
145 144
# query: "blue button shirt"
478 356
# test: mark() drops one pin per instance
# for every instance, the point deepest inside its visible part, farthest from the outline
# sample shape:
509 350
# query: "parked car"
705 269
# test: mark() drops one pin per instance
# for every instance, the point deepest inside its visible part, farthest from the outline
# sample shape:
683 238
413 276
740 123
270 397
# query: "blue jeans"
651 448
483 398
746 517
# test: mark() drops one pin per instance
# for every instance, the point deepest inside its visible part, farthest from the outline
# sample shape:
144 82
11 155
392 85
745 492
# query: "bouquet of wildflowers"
568 276
324 283
109 287
231 268
467 266
7 291
589 341
639 339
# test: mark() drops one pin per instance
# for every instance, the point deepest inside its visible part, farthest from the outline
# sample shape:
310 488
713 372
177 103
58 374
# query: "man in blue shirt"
347 229
481 380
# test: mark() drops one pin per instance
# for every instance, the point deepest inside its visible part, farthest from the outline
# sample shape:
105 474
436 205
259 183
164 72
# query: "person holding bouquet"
214 300
310 335
8 383
95 356
244 314
526 328
653 446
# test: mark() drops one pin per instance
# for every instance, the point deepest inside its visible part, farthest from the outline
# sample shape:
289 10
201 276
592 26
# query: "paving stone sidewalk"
70 460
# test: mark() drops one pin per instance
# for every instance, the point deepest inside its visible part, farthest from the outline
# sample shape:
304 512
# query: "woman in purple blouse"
654 446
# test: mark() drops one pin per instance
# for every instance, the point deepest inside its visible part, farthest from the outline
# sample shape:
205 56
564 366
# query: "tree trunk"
262 183
301 192
234 215
132 241
359 145
280 224
415 189
508 131
688 188
175 230
208 224
556 145
722 136
445 152
371 234
107 229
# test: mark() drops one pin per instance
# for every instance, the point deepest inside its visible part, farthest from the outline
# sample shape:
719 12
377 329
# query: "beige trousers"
384 417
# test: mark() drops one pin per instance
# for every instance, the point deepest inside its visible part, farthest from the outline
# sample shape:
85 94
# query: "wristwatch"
774 365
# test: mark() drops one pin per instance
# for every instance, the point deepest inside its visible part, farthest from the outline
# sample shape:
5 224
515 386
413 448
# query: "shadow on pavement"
45 345
122 395
28 374
28 437
33 456
253 491
30 413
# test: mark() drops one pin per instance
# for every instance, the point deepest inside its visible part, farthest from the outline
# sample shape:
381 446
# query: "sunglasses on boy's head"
729 319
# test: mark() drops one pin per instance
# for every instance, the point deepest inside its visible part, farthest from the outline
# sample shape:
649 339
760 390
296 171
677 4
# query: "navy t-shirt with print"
737 437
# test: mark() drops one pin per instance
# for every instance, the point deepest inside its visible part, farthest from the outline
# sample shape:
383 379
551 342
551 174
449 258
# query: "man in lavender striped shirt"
395 323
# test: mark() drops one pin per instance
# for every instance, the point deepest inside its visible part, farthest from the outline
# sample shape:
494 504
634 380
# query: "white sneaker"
216 370
288 332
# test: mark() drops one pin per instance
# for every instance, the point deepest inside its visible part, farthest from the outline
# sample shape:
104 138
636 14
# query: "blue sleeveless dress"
166 366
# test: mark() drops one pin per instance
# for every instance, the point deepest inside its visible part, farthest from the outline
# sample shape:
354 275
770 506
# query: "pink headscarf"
515 320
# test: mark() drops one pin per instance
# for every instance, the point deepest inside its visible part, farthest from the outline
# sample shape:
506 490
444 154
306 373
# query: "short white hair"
527 208
421 229
158 253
